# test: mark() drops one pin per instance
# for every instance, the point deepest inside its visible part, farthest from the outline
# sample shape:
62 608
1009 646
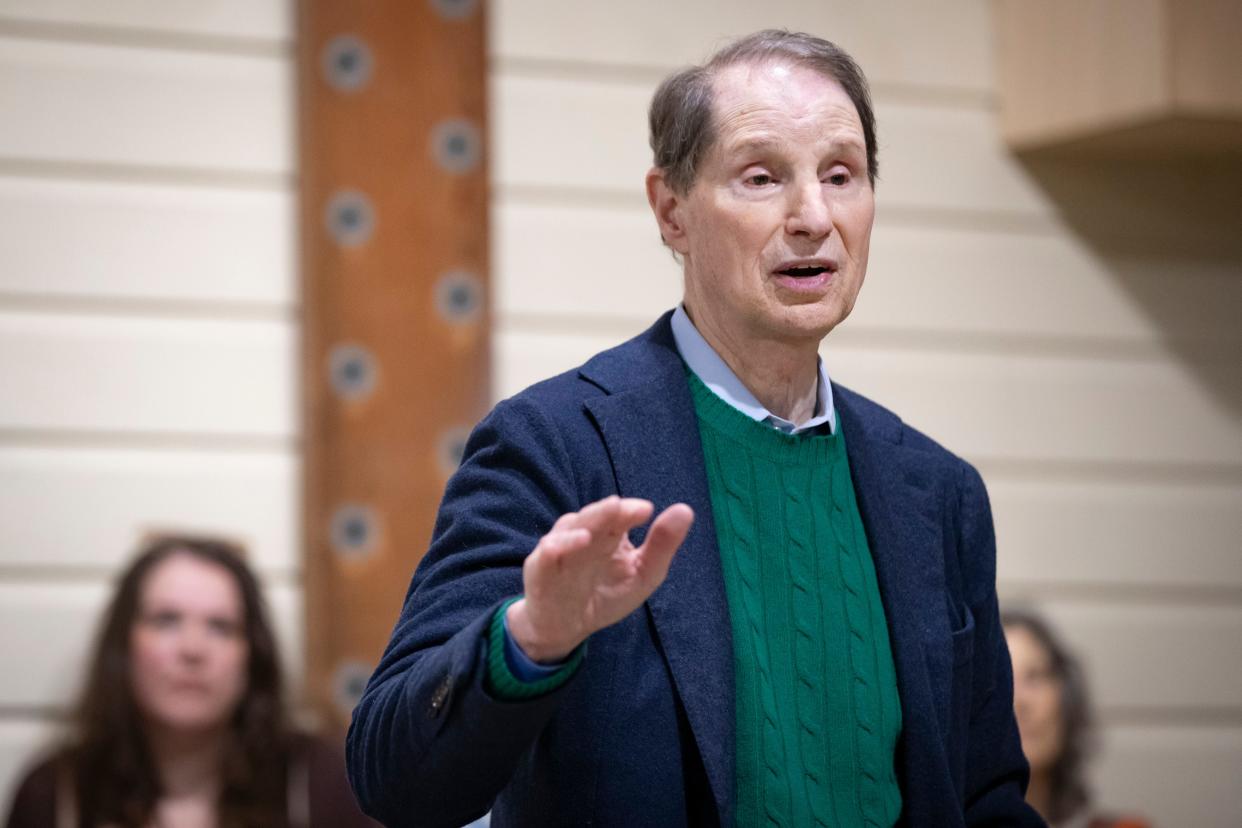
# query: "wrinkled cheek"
863 254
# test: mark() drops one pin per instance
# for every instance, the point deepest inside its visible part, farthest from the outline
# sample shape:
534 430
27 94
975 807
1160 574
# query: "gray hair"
680 118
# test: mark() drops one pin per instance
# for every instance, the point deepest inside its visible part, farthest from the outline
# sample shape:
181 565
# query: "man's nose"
810 213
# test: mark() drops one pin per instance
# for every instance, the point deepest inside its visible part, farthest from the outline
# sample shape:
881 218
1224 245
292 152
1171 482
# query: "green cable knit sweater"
817 710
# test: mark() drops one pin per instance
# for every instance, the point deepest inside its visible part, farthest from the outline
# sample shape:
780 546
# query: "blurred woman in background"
182 721
1053 710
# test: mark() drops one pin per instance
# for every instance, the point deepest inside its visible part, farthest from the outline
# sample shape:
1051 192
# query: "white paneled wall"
1114 458
67 239
148 330
147 316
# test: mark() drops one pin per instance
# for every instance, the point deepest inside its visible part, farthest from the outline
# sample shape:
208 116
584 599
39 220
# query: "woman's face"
1036 699
188 648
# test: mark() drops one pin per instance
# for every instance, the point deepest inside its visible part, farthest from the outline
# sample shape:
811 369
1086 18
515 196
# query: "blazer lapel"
897 499
652 436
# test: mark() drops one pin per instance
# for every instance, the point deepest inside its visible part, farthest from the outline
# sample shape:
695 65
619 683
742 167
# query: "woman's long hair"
110 762
1068 791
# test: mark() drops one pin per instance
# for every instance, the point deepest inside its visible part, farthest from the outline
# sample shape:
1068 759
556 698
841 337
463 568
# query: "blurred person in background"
1053 709
182 721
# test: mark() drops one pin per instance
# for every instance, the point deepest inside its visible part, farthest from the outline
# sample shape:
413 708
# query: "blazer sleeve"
996 770
428 745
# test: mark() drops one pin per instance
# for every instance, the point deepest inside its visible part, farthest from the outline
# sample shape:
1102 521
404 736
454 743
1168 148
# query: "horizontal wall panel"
988 405
117 496
895 42
1173 776
566 133
603 261
581 262
50 627
251 19
1121 533
80 103
977 281
134 374
1070 410
1148 656
23 742
138 241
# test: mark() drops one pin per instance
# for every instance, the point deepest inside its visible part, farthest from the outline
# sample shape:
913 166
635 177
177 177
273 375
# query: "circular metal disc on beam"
355 530
349 679
451 448
347 63
459 296
350 218
455 9
457 145
353 371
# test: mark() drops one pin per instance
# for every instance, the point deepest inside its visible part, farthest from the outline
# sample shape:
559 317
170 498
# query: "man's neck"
783 376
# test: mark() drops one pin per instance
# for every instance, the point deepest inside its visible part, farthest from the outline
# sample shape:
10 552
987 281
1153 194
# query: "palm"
585 574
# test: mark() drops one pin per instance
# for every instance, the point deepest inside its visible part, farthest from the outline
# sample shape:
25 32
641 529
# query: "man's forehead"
756 104
771 84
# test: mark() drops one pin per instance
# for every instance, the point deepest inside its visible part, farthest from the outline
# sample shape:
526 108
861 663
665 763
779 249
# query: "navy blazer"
644 732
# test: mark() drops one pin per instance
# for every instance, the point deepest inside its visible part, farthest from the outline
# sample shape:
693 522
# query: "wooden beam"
394 244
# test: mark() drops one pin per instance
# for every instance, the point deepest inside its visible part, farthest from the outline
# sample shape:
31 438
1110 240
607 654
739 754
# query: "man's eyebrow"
748 145
850 142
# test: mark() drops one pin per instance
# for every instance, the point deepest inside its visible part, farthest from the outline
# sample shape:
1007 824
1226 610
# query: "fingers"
564 540
671 526
614 515
663 540
565 521
575 531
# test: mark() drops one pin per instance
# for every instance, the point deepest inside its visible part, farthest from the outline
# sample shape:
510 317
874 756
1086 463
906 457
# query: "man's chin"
813 320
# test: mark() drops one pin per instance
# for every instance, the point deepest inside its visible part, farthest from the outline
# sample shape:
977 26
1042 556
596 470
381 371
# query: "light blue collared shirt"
716 375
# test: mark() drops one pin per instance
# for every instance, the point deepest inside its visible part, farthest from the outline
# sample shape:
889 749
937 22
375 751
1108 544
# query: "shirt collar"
716 375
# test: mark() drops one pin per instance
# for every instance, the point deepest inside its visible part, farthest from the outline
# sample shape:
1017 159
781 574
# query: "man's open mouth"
807 270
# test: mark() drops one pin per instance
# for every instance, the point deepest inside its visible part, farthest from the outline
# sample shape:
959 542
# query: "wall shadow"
1170 231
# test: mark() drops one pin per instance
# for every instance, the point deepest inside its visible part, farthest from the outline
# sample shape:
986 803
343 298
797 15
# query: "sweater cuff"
511 675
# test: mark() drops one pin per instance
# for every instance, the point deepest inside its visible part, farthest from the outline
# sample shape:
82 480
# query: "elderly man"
807 633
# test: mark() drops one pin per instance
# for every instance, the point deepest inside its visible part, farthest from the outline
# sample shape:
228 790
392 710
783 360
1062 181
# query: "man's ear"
668 208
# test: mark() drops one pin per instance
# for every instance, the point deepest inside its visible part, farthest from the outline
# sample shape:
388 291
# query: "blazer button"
439 699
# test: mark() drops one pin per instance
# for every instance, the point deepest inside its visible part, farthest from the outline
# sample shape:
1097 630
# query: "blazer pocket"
961 700
964 639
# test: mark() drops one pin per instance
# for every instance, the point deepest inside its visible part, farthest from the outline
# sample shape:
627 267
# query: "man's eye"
839 179
759 179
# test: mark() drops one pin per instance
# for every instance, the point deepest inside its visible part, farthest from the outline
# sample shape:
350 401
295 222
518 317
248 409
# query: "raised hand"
585 574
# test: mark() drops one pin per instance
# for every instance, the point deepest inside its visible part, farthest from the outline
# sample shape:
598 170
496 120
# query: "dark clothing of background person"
319 795
643 732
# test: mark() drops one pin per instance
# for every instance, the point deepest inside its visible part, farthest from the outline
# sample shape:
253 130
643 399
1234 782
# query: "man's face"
775 230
